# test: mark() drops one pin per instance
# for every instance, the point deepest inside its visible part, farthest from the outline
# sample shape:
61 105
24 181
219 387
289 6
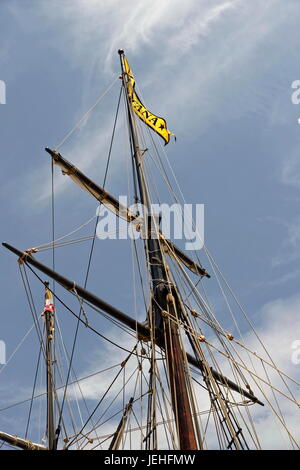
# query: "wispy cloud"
273 315
279 326
190 51
289 250
290 171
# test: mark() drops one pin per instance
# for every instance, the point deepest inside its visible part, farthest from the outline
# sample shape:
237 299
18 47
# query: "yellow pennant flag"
158 124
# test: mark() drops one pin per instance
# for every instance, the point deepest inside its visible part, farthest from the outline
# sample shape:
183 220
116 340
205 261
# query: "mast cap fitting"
120 51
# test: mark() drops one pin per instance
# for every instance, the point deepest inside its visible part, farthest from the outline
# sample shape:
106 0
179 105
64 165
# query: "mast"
48 315
166 305
162 294
140 328
113 205
25 444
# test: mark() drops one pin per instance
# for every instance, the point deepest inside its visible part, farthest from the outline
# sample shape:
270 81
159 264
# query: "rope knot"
202 339
25 255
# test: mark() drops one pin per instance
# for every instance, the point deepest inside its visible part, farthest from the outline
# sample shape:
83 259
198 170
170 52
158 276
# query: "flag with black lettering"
158 124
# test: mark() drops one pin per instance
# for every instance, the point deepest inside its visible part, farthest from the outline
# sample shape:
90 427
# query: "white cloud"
279 327
290 172
173 23
289 249
191 48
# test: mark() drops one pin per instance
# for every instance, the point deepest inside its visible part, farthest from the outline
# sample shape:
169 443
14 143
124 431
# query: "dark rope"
33 391
103 396
89 263
77 316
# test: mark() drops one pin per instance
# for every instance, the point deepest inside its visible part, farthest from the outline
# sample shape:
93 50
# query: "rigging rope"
17 348
86 114
103 396
76 316
61 387
33 391
216 326
49 244
90 255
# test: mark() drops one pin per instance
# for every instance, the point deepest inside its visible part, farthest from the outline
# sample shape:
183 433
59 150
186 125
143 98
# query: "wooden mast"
140 328
49 324
25 444
161 291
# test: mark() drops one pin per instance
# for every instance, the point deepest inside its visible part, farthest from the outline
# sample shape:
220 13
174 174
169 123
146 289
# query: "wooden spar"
89 186
116 440
21 443
142 330
113 204
86 295
160 281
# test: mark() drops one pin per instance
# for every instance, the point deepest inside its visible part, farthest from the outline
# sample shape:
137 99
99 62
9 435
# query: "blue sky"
220 72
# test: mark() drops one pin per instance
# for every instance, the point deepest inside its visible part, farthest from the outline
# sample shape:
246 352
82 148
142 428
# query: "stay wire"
32 307
90 259
34 314
77 316
102 398
75 382
33 391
